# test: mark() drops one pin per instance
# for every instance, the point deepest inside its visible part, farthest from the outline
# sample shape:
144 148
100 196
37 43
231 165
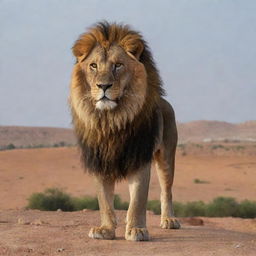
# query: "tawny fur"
106 133
121 136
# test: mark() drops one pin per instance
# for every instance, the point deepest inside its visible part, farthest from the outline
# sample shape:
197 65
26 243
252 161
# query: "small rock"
60 249
4 221
59 210
193 221
87 210
22 221
38 222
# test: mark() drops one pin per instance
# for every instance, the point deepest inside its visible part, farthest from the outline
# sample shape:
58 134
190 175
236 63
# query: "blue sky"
205 50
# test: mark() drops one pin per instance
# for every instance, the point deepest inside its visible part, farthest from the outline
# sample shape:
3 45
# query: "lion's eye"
93 65
118 65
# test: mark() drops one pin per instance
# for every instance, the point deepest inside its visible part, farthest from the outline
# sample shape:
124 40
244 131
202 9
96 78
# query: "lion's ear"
83 47
134 48
137 50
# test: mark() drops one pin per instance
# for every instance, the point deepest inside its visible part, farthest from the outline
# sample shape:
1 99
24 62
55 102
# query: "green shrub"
86 202
10 146
217 146
154 206
198 181
179 209
247 209
51 200
119 205
54 198
222 207
194 209
219 207
182 146
198 145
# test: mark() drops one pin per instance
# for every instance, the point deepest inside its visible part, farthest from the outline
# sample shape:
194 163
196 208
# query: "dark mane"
103 26
133 149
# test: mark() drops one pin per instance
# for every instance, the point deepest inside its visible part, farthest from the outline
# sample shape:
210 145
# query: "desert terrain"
26 171
225 160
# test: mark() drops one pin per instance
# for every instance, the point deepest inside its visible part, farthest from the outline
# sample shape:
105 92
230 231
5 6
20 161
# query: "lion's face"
109 74
114 81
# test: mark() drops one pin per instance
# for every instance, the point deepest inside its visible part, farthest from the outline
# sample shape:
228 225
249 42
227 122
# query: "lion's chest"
116 155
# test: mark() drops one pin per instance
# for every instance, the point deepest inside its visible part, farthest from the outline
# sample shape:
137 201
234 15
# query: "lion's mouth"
105 103
105 98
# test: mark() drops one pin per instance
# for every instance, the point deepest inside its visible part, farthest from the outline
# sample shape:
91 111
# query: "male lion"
122 124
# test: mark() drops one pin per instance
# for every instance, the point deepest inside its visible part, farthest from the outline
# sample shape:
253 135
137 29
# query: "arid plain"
226 162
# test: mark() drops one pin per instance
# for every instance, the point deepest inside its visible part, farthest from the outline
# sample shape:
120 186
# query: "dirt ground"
27 232
61 233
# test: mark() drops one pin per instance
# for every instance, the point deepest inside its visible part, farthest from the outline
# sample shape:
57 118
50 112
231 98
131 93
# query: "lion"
123 125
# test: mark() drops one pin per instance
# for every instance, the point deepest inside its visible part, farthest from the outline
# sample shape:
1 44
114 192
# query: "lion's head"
109 73
114 76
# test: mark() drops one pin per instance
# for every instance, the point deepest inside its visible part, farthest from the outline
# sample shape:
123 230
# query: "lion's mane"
115 143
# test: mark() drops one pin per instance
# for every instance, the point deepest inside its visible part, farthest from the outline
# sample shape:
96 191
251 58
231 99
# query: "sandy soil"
25 171
59 233
27 232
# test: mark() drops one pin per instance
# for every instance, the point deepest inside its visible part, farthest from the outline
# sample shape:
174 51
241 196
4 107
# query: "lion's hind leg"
165 170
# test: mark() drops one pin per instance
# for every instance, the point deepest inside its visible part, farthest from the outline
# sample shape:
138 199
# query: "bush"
219 207
51 200
85 202
179 209
222 207
10 146
154 206
198 181
194 209
217 146
247 209
119 205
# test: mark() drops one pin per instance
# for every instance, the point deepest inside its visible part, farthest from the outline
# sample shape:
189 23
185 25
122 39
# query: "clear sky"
205 50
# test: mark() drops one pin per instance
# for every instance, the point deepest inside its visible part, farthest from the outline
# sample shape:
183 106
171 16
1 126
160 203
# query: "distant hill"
196 131
35 136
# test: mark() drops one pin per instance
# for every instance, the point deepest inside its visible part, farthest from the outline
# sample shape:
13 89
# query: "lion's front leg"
106 203
136 216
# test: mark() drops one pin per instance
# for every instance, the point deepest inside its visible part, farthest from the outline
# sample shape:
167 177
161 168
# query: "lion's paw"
170 223
102 233
137 234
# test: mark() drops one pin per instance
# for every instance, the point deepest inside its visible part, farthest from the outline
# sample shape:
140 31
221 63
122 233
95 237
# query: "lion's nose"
104 87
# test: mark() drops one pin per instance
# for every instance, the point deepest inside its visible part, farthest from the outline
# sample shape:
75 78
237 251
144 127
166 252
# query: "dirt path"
59 233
